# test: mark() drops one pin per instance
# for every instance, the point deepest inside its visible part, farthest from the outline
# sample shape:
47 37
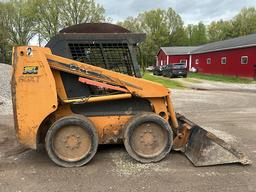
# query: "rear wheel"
148 138
71 141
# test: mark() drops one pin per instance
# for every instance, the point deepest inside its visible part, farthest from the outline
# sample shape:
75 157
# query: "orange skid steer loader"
73 107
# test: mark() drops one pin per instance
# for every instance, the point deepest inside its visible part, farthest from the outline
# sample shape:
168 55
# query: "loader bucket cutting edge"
205 149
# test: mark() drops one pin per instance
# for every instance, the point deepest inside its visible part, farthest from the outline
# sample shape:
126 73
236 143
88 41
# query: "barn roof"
239 42
177 50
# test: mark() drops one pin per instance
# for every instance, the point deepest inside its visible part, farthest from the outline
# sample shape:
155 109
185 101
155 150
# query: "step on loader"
73 107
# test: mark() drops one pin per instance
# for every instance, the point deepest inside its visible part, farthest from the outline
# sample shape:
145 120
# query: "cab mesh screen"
112 56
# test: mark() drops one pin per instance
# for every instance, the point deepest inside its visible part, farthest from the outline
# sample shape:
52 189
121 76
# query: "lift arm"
132 85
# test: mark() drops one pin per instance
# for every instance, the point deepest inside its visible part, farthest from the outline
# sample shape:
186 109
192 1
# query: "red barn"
168 55
233 57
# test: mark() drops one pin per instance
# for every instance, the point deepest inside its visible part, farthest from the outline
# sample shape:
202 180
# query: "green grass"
221 78
168 83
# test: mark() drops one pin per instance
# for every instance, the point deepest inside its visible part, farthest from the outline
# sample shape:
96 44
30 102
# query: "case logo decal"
30 70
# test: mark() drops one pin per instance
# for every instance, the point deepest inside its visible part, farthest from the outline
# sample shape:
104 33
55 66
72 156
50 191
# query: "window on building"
224 60
244 60
184 61
208 61
197 61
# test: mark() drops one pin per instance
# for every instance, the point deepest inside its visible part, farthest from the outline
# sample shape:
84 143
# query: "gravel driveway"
228 113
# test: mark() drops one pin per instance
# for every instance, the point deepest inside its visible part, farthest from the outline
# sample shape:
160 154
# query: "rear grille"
112 56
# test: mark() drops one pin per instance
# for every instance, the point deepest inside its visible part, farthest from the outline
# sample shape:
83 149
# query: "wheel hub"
148 139
71 143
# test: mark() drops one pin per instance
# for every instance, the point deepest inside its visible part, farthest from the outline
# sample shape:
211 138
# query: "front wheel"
148 138
71 141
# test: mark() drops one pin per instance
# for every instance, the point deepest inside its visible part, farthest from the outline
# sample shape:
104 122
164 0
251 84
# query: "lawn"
168 83
221 78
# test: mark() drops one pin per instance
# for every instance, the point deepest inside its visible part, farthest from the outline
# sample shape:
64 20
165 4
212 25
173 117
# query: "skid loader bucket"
203 148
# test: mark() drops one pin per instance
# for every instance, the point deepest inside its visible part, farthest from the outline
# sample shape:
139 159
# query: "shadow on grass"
167 82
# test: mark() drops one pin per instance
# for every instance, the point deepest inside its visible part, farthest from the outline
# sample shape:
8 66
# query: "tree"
177 34
3 23
53 15
16 26
163 28
153 23
20 21
4 36
220 30
48 14
245 22
201 34
196 34
131 24
81 11
189 33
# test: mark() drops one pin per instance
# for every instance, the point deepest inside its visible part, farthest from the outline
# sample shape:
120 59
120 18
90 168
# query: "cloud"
120 10
194 11
191 11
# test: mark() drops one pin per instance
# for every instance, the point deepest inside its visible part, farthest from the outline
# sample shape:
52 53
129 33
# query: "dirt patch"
125 166
9 145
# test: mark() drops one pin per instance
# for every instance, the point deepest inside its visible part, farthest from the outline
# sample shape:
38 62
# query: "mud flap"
204 148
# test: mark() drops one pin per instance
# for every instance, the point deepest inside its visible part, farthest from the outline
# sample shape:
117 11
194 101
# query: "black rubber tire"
140 119
75 120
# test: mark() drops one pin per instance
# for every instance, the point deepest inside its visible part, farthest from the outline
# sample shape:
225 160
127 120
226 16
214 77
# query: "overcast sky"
191 11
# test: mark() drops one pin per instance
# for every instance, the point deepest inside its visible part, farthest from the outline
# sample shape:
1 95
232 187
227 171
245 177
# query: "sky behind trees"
191 11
